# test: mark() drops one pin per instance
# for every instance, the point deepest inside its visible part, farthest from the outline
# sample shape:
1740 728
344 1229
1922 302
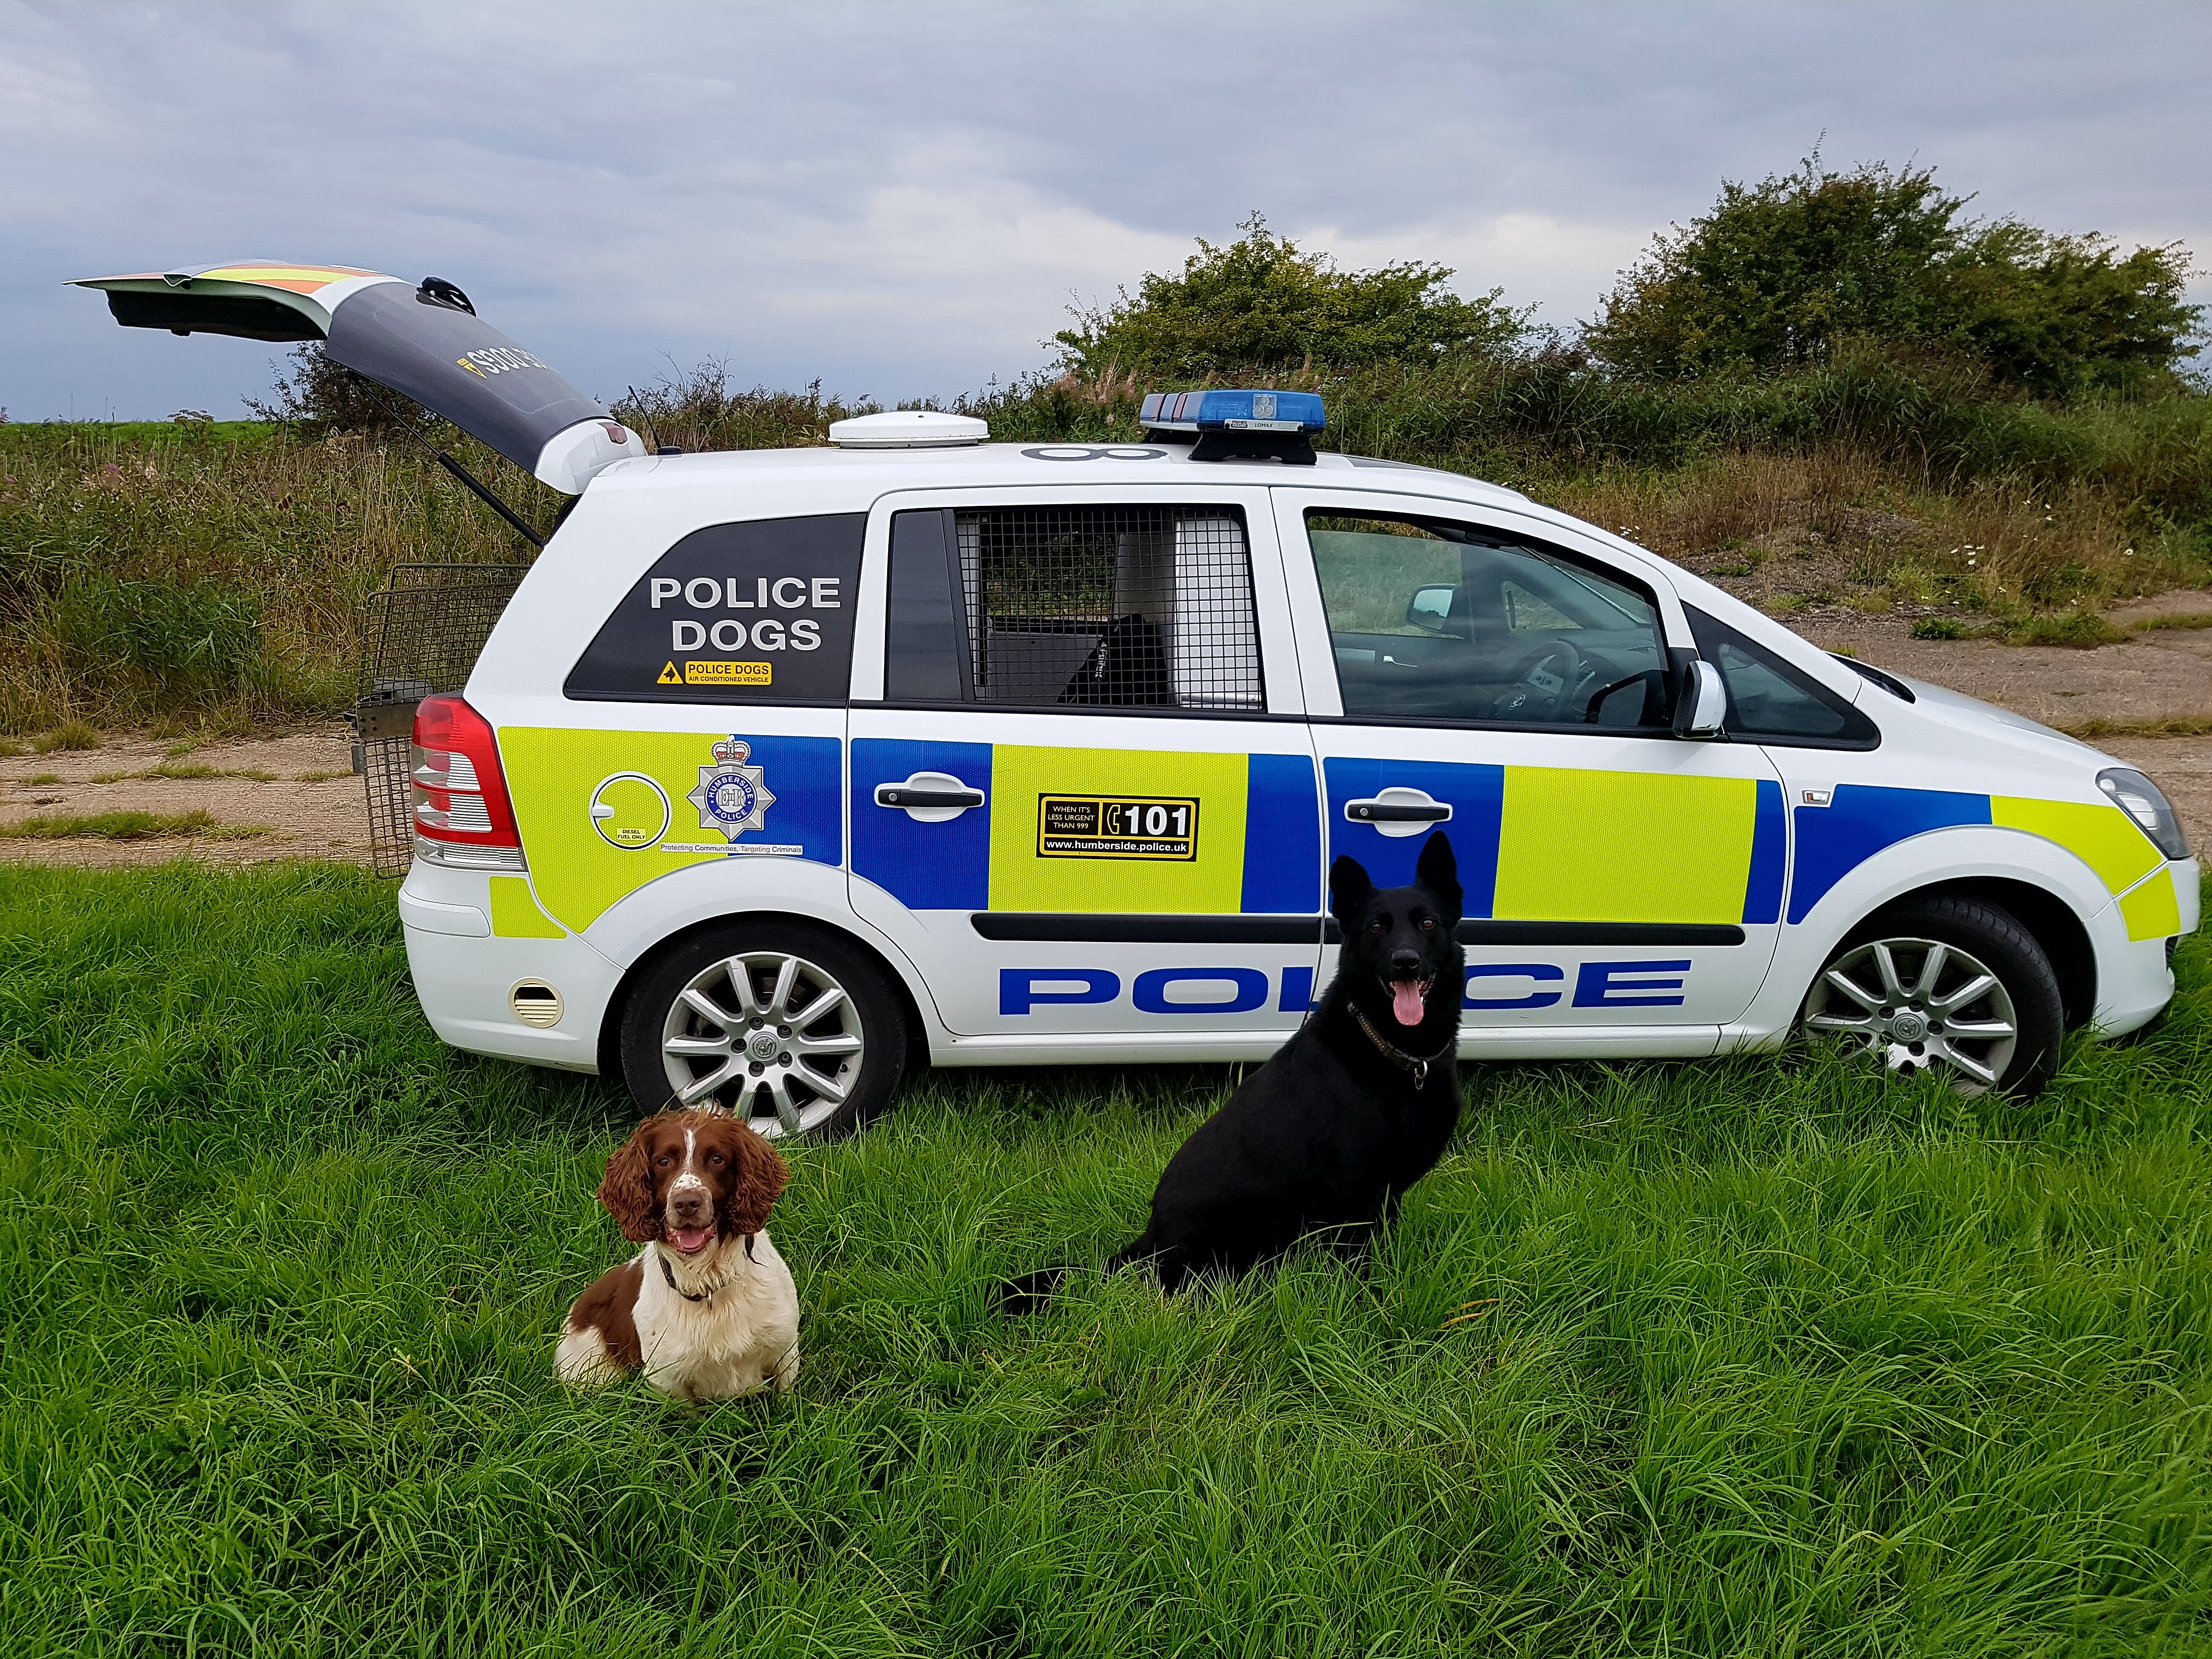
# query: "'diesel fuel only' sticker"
1117 827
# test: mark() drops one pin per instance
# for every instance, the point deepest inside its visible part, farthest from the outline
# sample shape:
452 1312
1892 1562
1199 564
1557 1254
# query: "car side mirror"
1430 607
1701 710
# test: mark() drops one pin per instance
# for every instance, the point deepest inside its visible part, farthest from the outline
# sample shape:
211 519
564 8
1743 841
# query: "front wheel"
789 1026
1949 985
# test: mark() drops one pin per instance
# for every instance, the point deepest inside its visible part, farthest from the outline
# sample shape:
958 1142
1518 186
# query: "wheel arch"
611 1023
2062 934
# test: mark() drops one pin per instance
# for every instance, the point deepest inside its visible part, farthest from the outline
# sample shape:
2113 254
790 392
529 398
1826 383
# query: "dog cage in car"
1109 606
421 636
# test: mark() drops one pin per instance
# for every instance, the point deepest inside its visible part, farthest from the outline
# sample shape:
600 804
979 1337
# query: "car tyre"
790 1026
1944 983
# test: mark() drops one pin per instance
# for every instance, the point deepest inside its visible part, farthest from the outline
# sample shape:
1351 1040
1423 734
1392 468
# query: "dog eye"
664 1160
714 1157
1377 926
1428 924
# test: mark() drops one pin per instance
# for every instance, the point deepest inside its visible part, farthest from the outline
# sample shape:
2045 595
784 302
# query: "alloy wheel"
1918 1003
771 1035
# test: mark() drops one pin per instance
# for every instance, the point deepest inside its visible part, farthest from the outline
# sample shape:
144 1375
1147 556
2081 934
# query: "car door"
1472 673
1082 794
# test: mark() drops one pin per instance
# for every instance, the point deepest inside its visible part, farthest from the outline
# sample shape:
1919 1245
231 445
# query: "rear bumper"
464 974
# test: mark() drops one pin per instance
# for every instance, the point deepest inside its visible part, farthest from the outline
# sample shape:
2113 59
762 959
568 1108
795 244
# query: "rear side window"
1106 607
757 612
1770 702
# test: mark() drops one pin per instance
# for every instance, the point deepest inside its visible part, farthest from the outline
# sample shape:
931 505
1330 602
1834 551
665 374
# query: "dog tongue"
688 1239
1406 1001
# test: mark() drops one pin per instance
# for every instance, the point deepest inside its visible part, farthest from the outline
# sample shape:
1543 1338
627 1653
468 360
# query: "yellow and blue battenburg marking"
602 813
1247 842
1863 819
1540 843
1105 830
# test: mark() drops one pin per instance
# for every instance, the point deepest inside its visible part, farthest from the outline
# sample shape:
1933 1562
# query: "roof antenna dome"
908 428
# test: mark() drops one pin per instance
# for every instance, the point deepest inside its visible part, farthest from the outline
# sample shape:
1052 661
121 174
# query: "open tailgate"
425 342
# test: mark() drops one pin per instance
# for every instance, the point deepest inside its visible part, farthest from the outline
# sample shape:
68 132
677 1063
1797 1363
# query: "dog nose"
1406 963
687 1206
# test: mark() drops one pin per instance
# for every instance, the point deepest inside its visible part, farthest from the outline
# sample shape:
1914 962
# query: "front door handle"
929 796
1398 810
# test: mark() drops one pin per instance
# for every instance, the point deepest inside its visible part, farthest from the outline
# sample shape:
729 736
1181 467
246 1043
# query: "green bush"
1781 274
1259 301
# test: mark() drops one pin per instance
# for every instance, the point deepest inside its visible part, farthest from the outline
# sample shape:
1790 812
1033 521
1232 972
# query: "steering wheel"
1543 681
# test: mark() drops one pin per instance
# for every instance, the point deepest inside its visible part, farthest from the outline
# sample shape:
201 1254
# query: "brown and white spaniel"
706 1310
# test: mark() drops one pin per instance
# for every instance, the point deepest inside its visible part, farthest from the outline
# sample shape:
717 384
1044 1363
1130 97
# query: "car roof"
876 472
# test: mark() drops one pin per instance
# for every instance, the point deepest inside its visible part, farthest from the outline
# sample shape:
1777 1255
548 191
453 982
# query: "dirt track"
2162 674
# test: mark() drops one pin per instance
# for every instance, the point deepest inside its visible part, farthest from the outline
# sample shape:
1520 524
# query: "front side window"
1102 607
1432 620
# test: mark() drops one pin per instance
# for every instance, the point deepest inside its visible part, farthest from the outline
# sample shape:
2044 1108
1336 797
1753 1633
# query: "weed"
2101 727
2082 630
68 735
2181 620
321 777
1942 628
110 826
37 778
9 748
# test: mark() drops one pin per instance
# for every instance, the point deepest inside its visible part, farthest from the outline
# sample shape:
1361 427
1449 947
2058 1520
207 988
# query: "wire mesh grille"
421 635
1124 607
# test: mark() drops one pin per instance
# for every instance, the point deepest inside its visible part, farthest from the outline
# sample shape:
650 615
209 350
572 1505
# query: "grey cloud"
900 199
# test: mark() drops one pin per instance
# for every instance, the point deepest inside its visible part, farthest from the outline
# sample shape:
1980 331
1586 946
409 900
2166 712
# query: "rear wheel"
1949 985
789 1026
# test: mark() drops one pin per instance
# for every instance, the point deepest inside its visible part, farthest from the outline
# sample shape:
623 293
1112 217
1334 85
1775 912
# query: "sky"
902 198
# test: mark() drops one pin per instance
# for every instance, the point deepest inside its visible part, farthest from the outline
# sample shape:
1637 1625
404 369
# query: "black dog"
1357 1107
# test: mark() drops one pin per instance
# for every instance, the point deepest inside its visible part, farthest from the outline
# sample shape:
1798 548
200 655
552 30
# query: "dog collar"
668 1273
1417 1064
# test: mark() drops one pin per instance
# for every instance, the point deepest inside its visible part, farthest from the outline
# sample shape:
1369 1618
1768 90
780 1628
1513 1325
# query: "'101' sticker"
1117 827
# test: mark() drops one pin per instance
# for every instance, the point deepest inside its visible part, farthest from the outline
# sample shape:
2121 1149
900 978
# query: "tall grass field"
201 578
1763 1356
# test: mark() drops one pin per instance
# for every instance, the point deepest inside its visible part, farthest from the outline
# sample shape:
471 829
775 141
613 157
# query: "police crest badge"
732 796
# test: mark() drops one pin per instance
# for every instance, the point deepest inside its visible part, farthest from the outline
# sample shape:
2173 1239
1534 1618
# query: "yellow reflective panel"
515 914
2098 833
1577 846
284 274
1116 830
2152 910
578 855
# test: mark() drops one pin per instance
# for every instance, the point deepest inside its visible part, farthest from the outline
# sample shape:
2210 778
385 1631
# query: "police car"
783 766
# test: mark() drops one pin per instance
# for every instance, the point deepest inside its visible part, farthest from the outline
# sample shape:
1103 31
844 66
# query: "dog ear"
627 1188
1349 887
1438 872
759 1178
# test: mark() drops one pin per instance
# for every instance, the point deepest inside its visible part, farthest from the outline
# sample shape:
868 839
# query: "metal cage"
1110 607
421 636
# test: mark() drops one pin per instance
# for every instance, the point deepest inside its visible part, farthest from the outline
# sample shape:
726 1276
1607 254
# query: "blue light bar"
1234 411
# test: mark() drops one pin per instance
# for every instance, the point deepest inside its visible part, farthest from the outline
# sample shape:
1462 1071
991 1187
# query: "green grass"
2080 630
115 826
1766 1356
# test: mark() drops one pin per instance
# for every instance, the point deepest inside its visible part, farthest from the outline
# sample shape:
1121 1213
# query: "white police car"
782 764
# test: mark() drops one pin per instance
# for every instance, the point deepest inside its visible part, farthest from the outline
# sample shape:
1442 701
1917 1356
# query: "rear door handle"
929 796
1398 810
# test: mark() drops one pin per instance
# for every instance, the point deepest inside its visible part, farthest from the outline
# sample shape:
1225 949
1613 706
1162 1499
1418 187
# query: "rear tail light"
462 813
